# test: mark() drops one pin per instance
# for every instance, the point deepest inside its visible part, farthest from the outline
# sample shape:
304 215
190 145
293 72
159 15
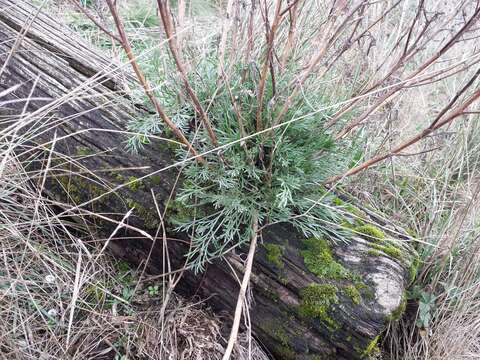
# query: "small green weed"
426 306
153 290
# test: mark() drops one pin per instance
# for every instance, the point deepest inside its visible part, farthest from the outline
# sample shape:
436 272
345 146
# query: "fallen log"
310 299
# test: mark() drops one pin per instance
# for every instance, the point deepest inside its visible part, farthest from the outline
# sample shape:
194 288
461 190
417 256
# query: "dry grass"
62 297
431 189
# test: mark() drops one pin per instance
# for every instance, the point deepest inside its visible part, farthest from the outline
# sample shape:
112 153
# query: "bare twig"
226 26
292 12
172 43
84 11
435 125
389 94
143 81
268 59
243 290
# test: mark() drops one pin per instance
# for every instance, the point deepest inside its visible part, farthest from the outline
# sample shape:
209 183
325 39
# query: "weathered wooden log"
311 300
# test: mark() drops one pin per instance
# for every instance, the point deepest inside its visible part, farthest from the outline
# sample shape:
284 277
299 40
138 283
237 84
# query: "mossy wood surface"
311 300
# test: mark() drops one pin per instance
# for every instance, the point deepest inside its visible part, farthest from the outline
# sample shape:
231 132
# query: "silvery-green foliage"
273 177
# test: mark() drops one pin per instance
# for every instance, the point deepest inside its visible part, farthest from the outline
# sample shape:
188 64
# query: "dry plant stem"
292 12
240 119
243 290
327 42
397 66
457 235
436 124
237 30
84 11
181 23
172 43
143 81
270 55
351 40
249 47
226 26
347 128
266 65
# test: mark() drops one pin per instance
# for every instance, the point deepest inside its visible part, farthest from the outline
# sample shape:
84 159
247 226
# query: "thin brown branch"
400 63
454 99
226 26
266 65
290 7
248 49
327 41
172 43
292 13
243 290
143 81
359 120
435 125
97 23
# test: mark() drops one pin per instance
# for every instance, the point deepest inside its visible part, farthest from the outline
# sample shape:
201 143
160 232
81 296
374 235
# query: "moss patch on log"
379 243
413 268
387 248
277 329
371 346
371 231
316 300
84 151
274 254
135 183
318 258
352 292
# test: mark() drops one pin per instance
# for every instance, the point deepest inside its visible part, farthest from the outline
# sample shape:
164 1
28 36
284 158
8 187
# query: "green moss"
352 292
156 180
374 252
413 268
84 151
78 188
347 225
96 293
370 231
319 357
96 190
316 300
287 353
274 254
412 232
119 178
178 213
352 209
149 217
272 295
368 293
371 345
355 211
318 258
277 329
398 312
337 201
135 183
388 249
379 243
122 266
281 335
